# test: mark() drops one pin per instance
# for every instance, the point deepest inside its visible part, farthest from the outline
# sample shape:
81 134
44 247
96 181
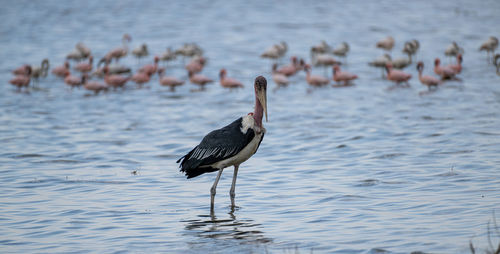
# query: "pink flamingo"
289 70
140 78
171 82
429 81
314 80
119 52
94 86
196 65
150 69
114 80
85 67
397 76
72 80
22 80
228 82
446 72
343 76
458 66
278 78
199 79
21 70
61 71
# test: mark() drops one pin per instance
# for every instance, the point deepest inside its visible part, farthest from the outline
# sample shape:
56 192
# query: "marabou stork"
230 145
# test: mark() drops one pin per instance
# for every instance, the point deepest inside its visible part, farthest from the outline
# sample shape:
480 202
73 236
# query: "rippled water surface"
353 170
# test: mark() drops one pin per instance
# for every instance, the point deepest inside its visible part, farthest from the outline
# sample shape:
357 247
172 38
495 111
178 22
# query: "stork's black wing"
216 146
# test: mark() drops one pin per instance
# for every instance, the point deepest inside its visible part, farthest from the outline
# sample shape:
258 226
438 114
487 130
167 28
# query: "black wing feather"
216 146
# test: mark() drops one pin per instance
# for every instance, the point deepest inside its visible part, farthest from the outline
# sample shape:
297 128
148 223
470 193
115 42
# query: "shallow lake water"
364 169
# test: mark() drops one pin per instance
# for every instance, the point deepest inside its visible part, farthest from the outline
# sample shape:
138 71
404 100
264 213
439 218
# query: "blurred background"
360 169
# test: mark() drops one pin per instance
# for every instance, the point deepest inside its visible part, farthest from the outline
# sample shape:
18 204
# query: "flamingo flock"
79 69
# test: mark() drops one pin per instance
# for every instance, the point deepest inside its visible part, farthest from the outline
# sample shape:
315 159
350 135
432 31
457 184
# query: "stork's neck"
258 112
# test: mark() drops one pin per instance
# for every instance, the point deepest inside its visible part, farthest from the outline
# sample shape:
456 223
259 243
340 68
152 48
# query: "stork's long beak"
262 96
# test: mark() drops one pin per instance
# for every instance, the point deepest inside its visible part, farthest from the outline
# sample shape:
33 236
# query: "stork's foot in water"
233 185
213 190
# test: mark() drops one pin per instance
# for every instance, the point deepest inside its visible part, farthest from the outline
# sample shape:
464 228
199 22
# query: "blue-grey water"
353 170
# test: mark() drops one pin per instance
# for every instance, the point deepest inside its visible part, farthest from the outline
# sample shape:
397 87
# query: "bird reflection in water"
211 227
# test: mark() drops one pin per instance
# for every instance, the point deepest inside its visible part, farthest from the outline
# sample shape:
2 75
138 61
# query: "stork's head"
260 86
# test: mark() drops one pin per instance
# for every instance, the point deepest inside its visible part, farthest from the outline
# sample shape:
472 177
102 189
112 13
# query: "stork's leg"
212 190
233 185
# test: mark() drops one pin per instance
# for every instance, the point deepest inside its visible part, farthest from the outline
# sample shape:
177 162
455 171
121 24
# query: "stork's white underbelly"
243 155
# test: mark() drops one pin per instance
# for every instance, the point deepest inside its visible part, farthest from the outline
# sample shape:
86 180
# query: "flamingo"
324 60
112 68
189 50
397 76
446 72
321 48
381 62
230 145
42 70
411 47
279 78
196 65
94 86
140 78
429 81
61 71
489 45
168 55
342 50
73 81
21 81
314 80
453 50
150 69
228 82
343 76
402 62
276 51
458 66
84 50
114 80
119 52
289 70
85 67
140 52
169 81
199 79
21 70
79 53
386 43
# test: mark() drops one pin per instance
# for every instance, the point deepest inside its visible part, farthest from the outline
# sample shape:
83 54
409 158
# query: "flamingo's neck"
258 112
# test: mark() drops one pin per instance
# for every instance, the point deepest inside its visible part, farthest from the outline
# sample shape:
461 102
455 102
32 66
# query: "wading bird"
314 80
397 76
446 72
426 80
169 81
21 81
342 76
279 79
61 71
230 145
489 46
228 82
40 71
386 43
